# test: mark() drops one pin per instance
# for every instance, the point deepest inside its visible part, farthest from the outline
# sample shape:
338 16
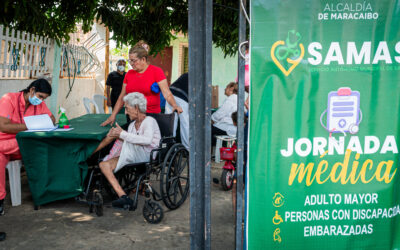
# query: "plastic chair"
99 100
14 176
218 145
87 102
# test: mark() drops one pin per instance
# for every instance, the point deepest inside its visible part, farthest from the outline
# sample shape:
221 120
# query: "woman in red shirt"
146 79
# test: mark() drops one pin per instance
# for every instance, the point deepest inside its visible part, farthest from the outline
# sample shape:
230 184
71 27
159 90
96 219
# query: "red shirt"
141 82
12 106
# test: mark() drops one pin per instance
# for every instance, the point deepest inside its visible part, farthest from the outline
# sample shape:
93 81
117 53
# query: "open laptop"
39 123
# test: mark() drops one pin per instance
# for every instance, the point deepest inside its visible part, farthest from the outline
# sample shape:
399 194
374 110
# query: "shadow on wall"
74 103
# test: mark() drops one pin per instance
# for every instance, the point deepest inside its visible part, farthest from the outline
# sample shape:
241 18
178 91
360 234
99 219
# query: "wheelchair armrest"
168 137
153 152
134 164
165 140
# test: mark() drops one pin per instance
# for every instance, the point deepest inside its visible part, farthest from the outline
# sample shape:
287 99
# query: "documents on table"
37 123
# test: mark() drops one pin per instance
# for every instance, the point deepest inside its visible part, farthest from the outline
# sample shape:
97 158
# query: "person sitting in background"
114 81
179 90
14 107
221 119
143 135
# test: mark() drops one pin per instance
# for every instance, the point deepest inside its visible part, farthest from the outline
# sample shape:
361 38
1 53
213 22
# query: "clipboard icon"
343 112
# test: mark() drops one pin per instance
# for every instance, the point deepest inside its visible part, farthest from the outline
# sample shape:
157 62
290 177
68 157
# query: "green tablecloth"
55 162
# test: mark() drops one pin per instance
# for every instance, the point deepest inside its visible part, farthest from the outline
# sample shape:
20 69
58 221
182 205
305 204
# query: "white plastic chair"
218 145
14 176
99 100
87 102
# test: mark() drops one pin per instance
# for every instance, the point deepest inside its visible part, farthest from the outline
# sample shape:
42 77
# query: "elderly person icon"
142 136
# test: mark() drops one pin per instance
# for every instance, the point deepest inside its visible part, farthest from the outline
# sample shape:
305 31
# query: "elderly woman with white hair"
143 135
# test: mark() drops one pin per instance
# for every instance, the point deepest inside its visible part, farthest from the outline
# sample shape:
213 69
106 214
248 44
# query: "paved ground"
68 225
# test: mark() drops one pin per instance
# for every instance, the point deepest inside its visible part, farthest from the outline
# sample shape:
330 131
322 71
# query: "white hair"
136 99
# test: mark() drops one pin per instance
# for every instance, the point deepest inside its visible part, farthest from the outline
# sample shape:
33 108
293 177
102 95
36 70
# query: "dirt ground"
69 225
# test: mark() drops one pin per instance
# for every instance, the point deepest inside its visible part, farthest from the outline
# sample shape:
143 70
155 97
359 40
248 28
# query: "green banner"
324 125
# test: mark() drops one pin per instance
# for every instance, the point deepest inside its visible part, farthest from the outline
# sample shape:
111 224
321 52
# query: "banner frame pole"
240 132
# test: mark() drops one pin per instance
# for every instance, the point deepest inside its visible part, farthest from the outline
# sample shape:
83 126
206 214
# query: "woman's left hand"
178 109
115 132
168 96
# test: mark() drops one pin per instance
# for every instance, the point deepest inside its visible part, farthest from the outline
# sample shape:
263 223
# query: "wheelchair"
168 164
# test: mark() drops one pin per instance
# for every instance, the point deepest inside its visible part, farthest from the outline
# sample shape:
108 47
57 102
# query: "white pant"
132 153
183 118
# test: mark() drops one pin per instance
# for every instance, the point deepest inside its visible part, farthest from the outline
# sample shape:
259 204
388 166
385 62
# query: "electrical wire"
244 11
69 75
66 63
240 49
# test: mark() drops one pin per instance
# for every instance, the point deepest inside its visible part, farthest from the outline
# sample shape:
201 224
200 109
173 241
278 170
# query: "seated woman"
221 119
143 135
13 108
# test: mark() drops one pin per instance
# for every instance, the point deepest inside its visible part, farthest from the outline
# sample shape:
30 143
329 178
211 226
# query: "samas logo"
289 50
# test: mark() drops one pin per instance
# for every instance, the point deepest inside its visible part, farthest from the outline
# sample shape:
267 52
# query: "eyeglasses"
133 60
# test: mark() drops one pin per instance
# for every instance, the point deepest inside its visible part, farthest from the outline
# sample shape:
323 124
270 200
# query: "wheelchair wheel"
175 177
152 212
98 203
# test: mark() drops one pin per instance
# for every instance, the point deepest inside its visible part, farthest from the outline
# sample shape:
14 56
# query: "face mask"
121 68
34 100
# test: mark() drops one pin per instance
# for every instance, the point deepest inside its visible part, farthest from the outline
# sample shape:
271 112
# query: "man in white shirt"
222 123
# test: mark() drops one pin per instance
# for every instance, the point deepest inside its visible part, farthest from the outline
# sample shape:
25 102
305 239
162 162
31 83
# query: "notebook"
39 123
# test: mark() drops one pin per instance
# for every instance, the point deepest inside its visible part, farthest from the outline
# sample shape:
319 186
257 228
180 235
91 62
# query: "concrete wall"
83 87
12 85
16 85
224 71
101 54
73 104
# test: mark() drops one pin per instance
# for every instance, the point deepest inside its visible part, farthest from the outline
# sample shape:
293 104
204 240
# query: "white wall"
101 54
16 85
73 104
83 87
11 85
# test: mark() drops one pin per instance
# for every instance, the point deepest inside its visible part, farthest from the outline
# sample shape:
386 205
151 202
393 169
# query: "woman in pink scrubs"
13 107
